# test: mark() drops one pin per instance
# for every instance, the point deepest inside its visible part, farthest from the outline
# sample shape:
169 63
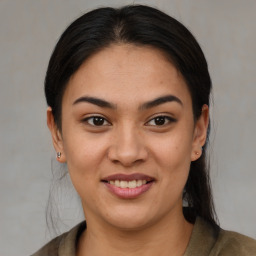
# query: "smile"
128 186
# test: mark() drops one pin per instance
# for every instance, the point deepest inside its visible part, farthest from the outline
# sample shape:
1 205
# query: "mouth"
128 186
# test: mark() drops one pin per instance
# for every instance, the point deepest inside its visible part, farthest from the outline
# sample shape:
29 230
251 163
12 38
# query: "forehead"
127 72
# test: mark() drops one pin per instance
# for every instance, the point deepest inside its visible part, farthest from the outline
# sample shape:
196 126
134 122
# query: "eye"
161 121
96 121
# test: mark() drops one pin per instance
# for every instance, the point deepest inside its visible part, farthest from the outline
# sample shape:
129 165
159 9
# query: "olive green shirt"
205 241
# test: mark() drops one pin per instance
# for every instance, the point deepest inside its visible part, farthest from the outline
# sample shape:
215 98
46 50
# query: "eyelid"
95 116
168 117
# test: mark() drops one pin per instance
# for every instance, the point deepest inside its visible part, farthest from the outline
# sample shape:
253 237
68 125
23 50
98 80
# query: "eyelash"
94 118
161 118
101 119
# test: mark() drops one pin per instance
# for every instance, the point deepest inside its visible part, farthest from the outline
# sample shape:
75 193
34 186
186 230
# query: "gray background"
29 30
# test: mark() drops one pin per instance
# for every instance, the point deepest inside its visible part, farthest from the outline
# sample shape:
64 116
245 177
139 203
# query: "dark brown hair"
138 25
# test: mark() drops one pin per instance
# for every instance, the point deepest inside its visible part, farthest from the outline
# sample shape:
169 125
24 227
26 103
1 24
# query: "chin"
130 224
130 219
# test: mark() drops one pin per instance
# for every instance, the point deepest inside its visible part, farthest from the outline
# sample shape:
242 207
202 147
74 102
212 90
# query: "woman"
128 95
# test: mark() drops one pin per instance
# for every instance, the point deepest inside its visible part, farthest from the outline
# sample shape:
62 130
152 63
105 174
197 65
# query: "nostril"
127 152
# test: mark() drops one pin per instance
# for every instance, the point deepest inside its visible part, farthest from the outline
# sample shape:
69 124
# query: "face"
128 136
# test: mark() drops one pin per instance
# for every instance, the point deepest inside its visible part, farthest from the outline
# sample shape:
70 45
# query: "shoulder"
64 244
209 240
232 243
50 248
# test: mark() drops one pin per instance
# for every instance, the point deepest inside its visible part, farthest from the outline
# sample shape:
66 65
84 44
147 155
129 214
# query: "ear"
200 133
56 136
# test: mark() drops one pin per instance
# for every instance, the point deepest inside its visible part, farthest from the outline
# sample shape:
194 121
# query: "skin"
130 141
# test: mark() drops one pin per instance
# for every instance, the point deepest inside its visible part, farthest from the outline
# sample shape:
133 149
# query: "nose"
127 147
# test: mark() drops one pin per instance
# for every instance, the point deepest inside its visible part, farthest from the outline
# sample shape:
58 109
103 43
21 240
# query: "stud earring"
58 155
197 153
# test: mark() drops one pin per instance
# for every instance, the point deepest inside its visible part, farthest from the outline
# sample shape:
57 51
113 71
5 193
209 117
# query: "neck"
170 234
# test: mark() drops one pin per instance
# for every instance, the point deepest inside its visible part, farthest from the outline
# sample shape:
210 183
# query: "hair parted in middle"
142 26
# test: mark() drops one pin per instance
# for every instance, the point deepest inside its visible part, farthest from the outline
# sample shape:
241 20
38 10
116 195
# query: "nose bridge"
127 145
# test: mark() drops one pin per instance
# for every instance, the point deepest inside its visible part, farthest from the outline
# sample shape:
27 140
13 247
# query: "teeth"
127 184
132 184
139 182
123 184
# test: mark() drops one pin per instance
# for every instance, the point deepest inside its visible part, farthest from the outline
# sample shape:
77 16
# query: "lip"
128 193
128 177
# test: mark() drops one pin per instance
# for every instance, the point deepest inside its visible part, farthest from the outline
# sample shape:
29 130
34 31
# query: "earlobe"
56 137
200 133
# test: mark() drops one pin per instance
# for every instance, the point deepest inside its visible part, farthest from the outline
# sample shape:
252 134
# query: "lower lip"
129 193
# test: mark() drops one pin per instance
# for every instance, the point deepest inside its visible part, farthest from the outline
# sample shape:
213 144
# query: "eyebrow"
160 100
96 101
150 104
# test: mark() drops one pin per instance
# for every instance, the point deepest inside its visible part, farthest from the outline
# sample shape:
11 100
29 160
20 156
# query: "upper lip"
128 177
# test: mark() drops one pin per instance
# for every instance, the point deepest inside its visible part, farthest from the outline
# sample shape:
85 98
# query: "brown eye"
161 120
96 121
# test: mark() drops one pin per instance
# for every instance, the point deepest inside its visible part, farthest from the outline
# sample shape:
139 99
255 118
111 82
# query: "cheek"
84 159
172 155
173 160
84 153
173 149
